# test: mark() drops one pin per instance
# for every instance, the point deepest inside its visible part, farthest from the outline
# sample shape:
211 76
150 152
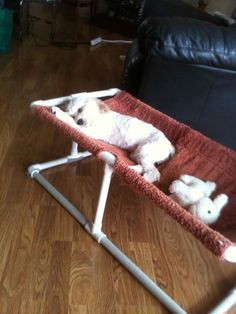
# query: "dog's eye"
80 110
209 212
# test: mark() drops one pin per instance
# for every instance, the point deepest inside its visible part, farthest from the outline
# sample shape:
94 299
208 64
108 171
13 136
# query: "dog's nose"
80 122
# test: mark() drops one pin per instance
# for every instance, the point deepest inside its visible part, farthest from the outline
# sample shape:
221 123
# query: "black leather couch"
183 63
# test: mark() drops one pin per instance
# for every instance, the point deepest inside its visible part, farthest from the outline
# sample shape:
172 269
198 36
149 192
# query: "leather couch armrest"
133 68
189 40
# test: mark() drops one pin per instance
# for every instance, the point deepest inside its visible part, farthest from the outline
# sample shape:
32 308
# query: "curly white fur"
148 146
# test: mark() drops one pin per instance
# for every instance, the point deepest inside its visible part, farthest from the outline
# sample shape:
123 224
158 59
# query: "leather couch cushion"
189 40
171 87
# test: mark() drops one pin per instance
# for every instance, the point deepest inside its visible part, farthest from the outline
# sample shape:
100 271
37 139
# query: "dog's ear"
63 106
103 107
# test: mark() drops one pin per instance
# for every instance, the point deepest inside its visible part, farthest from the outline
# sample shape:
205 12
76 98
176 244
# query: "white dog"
148 146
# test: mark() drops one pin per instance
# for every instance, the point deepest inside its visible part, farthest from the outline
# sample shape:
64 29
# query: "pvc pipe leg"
226 304
57 162
111 248
150 285
97 225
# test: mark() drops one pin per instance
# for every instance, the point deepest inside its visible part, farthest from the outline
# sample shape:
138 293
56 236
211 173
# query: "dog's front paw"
152 175
61 115
54 110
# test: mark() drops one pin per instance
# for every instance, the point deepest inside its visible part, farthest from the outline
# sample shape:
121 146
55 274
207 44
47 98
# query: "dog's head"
90 112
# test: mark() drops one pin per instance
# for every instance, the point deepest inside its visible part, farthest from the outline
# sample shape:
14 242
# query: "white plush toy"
194 195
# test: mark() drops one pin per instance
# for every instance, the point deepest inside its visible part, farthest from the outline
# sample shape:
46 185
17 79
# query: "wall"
195 2
224 6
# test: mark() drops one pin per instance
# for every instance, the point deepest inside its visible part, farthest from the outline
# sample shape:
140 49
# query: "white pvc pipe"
57 162
102 93
151 286
60 100
108 158
76 157
97 225
230 254
74 149
226 304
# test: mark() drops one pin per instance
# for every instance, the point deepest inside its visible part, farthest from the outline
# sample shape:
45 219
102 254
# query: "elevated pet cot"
195 154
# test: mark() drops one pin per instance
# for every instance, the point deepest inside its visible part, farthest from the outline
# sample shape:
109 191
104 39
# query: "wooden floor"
48 263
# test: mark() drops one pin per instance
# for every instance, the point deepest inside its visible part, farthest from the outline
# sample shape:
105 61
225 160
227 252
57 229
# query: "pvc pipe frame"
95 228
60 100
226 304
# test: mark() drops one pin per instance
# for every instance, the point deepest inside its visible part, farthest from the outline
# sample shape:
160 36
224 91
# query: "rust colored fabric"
195 155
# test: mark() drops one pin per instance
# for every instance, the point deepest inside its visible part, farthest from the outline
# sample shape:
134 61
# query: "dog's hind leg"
151 175
137 168
61 115
147 169
142 157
